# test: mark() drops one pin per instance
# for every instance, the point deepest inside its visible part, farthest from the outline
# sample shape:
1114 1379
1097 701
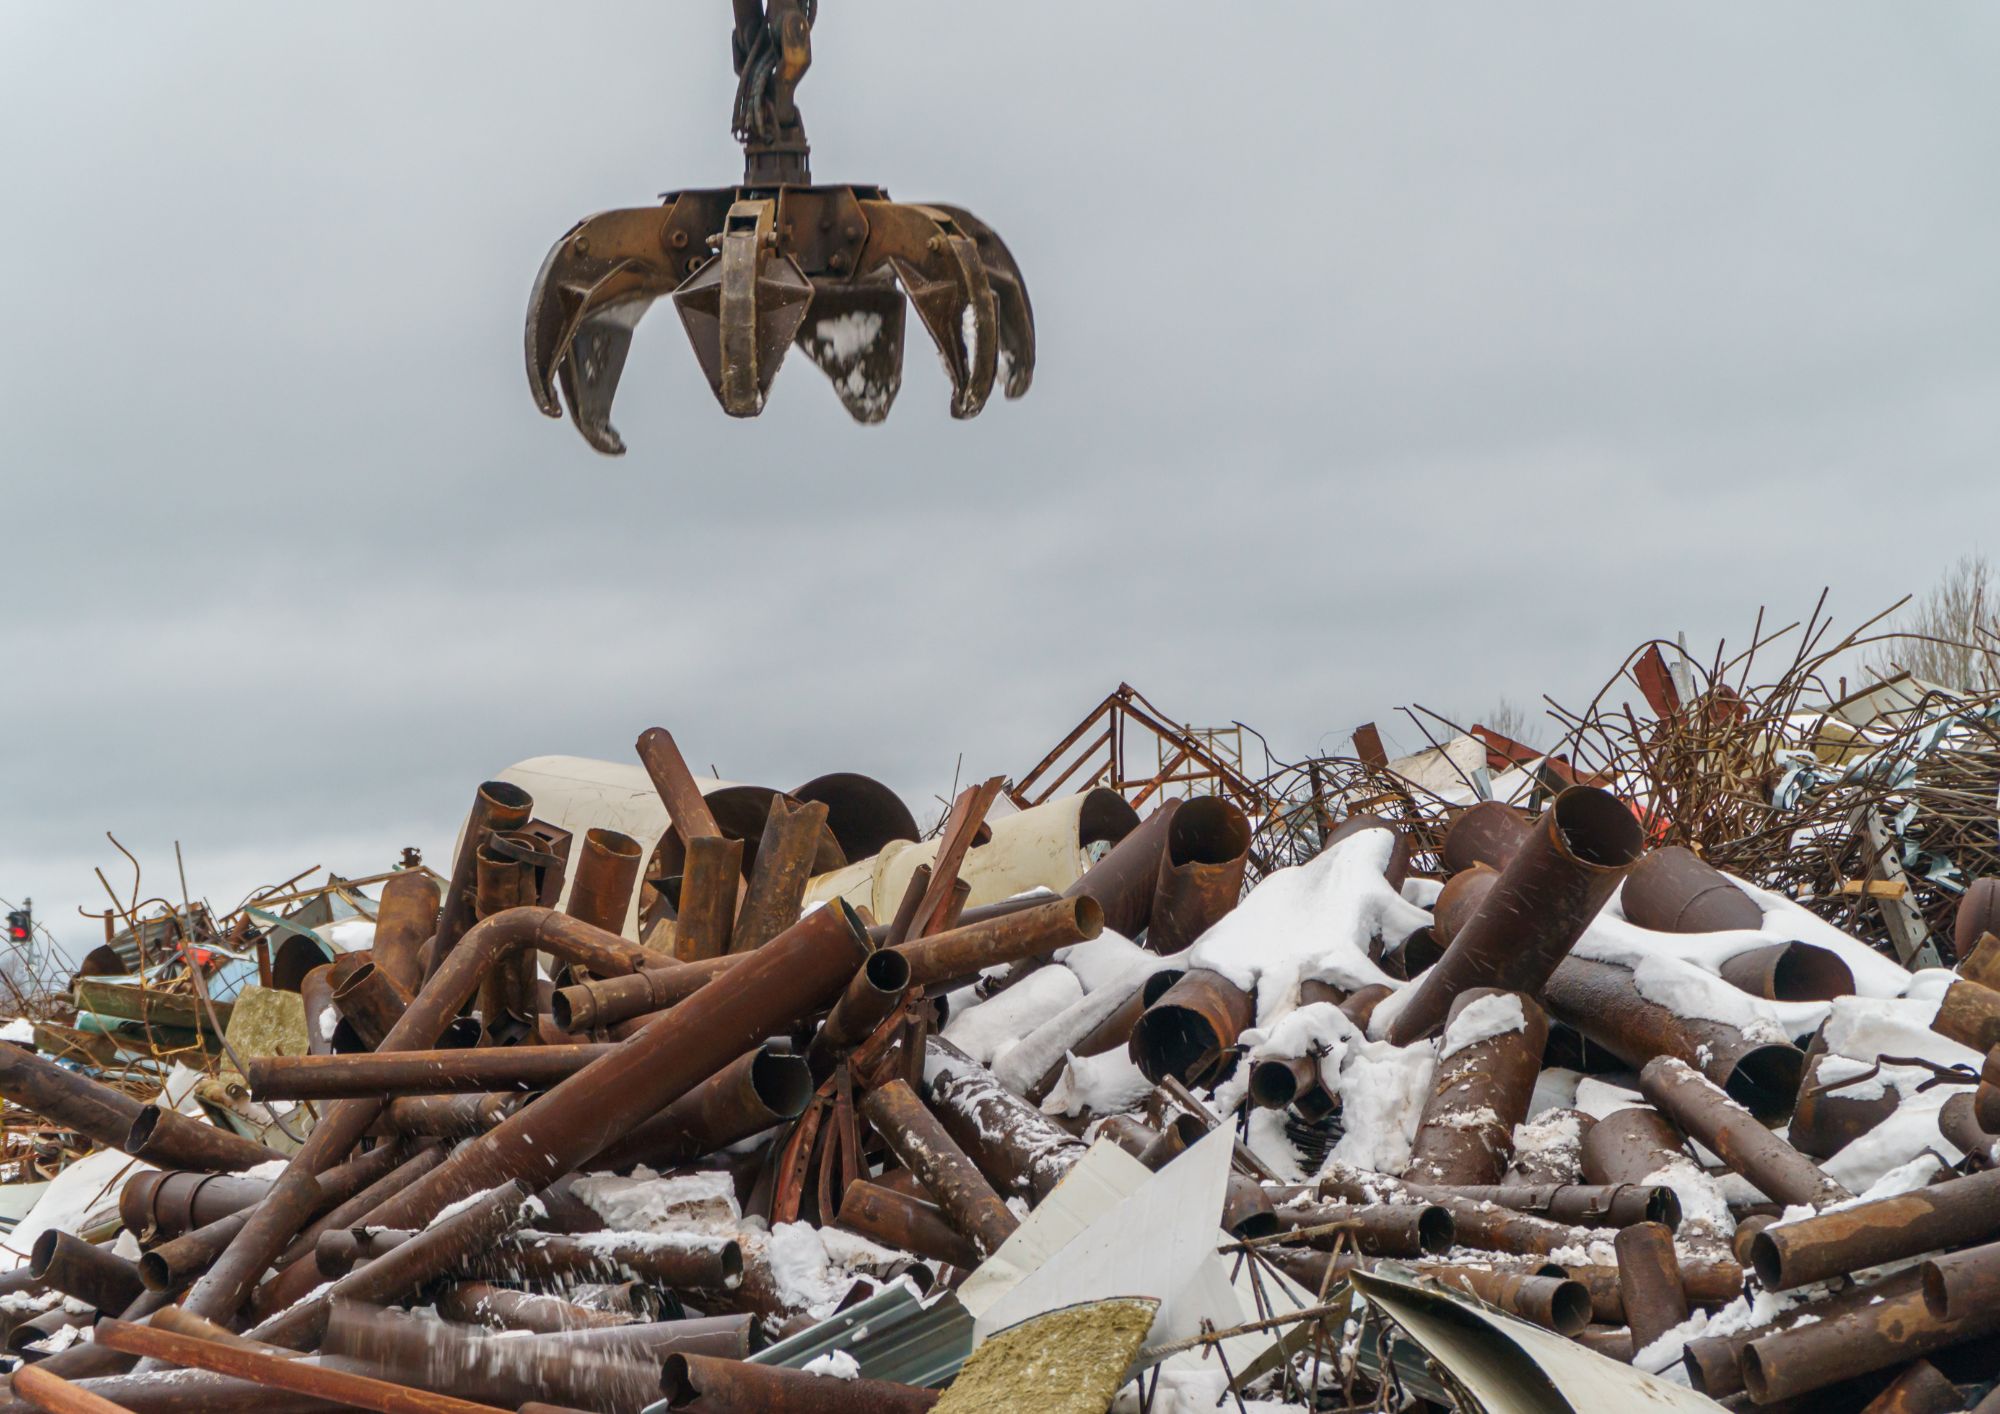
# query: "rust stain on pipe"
971 948
866 1004
705 925
904 1223
607 871
1789 972
116 1120
757 1090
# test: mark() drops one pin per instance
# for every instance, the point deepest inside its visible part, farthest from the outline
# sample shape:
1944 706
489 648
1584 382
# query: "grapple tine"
590 373
941 272
743 309
1010 290
855 335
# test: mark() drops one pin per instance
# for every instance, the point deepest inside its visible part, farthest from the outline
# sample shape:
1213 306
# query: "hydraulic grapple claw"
776 261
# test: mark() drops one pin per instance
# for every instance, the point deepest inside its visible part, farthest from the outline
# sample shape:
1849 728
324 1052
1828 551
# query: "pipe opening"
1272 1084
155 1273
1176 1041
1597 828
1256 1225
462 1034
783 1084
1569 1308
863 814
887 971
505 795
1765 1080
1937 1296
143 1125
1207 830
676 1383
1663 1206
1769 1262
731 1261
1435 1230
611 842
43 1253
1105 818
1754 1378
1810 974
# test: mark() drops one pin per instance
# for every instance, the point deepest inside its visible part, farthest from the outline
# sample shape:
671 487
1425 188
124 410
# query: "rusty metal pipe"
1920 1389
1459 900
1489 833
1551 1301
482 1303
971 948
221 1292
93 1275
1714 1281
1378 1230
1020 1150
1826 1119
1590 1205
777 886
1479 1092
1959 1123
298 1376
112 1118
405 919
1200 874
906 1224
716 1386
607 871
168 1202
866 1004
1188 1032
1714 1363
1552 1164
1878 1336
915 1136
316 992
181 1392
1631 1145
1672 890
757 1090
368 1001
1956 1213
1964 1285
449 1116
1602 1002
704 925
295 1262
1649 1282
790 978
457 1072
57 1395
1541 904
539 1256
1789 972
1125 882
1701 1108
497 805
1970 1015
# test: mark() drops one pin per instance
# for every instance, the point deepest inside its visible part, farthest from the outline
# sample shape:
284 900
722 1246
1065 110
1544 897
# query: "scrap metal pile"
677 1094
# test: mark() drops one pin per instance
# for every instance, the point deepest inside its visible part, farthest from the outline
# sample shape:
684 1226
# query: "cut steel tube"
169 1202
1602 1001
1020 1150
1970 1015
795 975
1956 1213
1700 1107
1544 899
439 1248
757 1090
1201 872
1920 1389
1714 1363
277 1220
1649 1282
295 1262
706 1266
497 805
971 948
1489 833
1459 900
1978 914
867 1002
1672 890
389 1074
1125 882
1963 1286
717 1386
1959 1123
1572 1204
777 883
404 921
1188 1032
915 1136
1877 1336
295 1375
482 1303
92 1274
449 1116
704 924
1631 1145
1712 1282
1551 1301
316 992
1553 1164
111 1117
180 1392
905 1224
57 1395
1788 972
1826 1118
367 1000
1377 1230
607 870
1479 1092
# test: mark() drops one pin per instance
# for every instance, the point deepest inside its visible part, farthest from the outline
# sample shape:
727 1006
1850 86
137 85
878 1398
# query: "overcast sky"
1388 353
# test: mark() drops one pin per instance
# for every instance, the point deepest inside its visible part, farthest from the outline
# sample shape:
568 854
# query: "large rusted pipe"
1713 1281
915 1136
1789 972
1965 1286
1649 1282
389 1074
1481 1089
1631 1145
1557 1158
1877 1336
777 885
971 948
221 1292
1970 1015
1021 1151
316 993
1672 890
866 1004
757 1090
404 921
1920 1389
1188 1032
1602 1001
607 870
449 1116
446 1244
295 1262
904 1223
366 999
166 1203
1201 872
1377 1230
715 1265
1459 900
716 1386
112 1118
1489 833
790 978
1959 1123
1714 1363
1125 882
1541 904
93 1275
1549 1300
1701 1108
705 922
180 1392
1571 1204
1827 1117
57 1395
497 805
298 1376
1978 914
